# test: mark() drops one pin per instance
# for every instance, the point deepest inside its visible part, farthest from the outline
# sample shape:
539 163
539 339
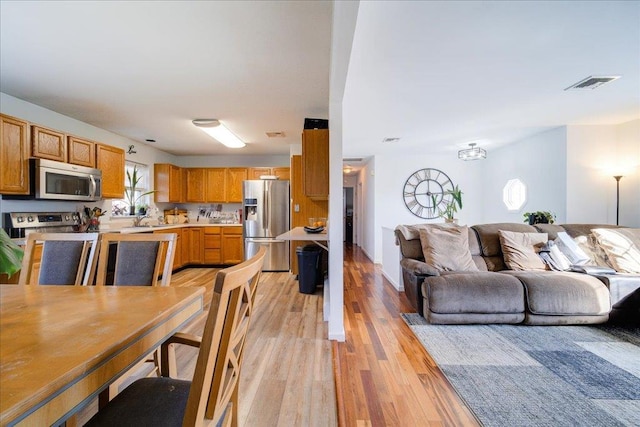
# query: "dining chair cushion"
60 260
136 262
147 402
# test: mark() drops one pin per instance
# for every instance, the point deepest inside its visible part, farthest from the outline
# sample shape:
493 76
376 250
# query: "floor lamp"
617 178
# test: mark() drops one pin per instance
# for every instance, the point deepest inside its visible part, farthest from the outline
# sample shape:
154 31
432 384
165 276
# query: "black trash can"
309 271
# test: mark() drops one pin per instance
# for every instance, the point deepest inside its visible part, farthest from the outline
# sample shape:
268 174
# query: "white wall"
388 208
234 161
538 161
594 155
367 224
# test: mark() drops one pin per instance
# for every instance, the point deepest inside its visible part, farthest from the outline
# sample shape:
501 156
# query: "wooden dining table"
60 346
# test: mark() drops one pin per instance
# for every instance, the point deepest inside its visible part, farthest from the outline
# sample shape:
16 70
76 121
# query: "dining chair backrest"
66 259
137 259
215 380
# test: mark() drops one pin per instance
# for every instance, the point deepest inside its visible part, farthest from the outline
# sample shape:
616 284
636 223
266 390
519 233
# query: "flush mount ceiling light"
219 132
472 153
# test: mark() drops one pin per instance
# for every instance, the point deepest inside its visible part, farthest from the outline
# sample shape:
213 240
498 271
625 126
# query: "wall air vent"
592 82
276 134
391 140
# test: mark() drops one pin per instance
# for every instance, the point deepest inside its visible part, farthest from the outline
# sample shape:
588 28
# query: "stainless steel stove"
17 224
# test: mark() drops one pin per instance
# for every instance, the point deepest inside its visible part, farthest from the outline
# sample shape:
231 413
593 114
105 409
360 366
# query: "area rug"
539 375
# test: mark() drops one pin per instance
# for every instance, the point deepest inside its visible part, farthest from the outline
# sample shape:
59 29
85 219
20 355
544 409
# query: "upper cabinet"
280 172
14 151
195 185
216 185
81 152
315 163
233 184
48 144
111 161
168 183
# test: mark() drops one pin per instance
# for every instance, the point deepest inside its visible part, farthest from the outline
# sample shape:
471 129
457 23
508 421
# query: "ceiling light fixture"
472 153
219 132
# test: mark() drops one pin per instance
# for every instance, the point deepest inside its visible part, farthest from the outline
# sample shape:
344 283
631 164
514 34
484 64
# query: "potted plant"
451 207
539 217
10 255
130 191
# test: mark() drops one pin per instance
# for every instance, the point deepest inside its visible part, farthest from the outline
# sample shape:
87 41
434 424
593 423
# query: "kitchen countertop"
146 229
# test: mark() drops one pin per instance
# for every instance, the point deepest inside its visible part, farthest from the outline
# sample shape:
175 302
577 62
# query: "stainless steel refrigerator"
266 215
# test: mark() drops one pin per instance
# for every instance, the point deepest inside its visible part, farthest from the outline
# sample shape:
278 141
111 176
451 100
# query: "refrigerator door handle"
265 240
265 205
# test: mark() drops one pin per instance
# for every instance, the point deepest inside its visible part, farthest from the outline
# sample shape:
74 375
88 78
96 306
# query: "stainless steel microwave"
64 181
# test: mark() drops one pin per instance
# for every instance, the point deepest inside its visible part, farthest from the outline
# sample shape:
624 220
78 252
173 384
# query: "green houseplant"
539 217
130 191
10 255
451 207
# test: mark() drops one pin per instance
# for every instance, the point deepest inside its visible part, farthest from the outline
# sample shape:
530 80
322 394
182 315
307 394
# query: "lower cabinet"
192 243
232 245
212 245
207 245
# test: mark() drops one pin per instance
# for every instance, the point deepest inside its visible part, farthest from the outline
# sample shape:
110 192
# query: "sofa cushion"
622 247
446 248
490 242
520 250
559 293
479 292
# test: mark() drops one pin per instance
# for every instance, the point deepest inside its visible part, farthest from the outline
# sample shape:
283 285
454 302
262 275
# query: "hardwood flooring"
384 377
293 376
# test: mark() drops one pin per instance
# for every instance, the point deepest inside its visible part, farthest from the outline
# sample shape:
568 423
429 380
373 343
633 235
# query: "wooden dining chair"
212 395
65 259
138 259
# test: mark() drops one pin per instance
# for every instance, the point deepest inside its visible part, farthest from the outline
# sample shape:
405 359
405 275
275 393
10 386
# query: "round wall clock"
423 188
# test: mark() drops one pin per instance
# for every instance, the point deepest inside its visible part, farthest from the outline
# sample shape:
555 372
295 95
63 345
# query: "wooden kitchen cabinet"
212 245
167 180
233 184
48 144
110 160
315 163
280 172
81 152
215 185
232 245
192 241
195 185
14 151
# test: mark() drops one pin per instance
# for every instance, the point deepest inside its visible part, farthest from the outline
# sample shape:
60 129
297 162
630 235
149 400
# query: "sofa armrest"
418 268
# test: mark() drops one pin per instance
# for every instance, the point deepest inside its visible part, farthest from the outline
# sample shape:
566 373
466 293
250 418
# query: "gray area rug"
539 375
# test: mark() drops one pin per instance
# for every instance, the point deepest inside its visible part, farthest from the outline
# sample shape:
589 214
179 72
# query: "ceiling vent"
390 140
592 82
352 159
276 134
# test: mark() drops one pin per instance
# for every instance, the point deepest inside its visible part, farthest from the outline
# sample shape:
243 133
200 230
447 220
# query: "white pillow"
622 246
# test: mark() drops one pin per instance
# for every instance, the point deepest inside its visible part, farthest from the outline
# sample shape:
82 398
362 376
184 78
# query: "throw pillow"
446 248
597 255
622 246
520 250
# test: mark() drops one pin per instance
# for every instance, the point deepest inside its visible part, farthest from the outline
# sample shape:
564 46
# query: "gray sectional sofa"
496 294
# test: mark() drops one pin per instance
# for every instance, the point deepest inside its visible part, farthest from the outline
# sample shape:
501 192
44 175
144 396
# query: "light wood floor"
384 376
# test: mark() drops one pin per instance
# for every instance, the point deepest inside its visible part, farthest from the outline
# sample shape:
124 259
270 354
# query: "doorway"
348 213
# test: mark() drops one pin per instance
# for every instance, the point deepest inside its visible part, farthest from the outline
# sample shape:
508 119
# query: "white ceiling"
436 74
145 69
442 74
